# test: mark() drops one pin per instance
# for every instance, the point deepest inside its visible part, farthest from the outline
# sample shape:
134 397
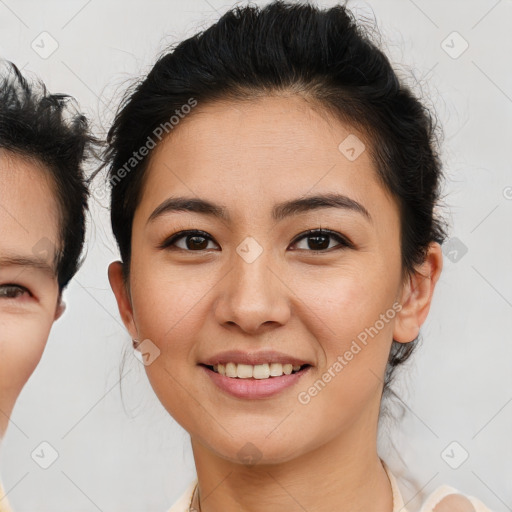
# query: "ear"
117 283
61 307
417 295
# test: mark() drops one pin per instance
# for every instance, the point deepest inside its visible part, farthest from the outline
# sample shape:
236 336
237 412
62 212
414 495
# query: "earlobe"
417 296
61 307
117 283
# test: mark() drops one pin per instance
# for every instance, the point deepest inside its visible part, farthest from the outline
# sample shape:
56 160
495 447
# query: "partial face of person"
29 292
248 278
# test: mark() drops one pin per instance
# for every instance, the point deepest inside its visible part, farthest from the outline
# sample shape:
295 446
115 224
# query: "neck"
343 474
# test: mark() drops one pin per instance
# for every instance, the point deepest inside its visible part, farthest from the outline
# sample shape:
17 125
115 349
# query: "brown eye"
319 240
193 241
12 291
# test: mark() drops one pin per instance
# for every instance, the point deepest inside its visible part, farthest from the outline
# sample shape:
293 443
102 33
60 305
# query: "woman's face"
29 226
254 282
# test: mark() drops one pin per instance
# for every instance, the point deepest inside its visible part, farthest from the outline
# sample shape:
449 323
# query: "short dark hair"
323 55
47 128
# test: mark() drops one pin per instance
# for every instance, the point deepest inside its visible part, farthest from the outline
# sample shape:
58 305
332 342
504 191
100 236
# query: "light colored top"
184 502
4 505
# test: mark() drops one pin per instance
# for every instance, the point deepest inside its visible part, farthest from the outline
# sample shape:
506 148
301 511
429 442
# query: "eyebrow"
27 262
279 211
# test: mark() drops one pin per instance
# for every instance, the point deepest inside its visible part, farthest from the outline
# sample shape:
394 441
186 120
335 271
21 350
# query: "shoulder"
183 503
443 499
449 499
4 504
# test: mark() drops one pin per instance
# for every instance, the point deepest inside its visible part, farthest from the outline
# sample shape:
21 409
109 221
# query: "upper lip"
253 358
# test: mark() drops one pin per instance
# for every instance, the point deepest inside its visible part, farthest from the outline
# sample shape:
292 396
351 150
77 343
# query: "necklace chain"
195 505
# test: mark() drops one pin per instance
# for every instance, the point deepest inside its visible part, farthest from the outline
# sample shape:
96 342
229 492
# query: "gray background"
127 454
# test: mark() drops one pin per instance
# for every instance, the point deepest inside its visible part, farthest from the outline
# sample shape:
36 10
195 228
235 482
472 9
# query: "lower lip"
254 388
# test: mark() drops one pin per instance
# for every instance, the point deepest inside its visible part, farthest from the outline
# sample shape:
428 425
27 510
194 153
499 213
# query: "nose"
253 295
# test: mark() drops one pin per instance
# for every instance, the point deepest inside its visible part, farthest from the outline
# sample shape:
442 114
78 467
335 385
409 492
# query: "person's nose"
253 294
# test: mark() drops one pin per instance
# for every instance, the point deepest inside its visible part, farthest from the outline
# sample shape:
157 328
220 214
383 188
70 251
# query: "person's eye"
319 240
12 291
192 240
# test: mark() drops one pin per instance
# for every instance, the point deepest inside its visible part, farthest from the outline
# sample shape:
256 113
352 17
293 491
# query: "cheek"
22 342
170 309
352 316
167 311
169 302
348 301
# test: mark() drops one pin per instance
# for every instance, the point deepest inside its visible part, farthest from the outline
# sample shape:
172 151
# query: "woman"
273 193
43 200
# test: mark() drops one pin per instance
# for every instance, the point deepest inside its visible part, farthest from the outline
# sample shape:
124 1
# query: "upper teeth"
259 371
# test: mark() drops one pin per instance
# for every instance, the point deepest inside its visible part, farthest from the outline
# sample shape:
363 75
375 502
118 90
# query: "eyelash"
343 241
13 286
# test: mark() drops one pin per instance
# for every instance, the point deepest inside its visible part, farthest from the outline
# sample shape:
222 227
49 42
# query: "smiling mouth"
255 372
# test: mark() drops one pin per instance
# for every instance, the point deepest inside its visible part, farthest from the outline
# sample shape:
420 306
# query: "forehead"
271 148
29 218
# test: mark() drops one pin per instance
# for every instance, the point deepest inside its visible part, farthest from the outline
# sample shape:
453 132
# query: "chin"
256 450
